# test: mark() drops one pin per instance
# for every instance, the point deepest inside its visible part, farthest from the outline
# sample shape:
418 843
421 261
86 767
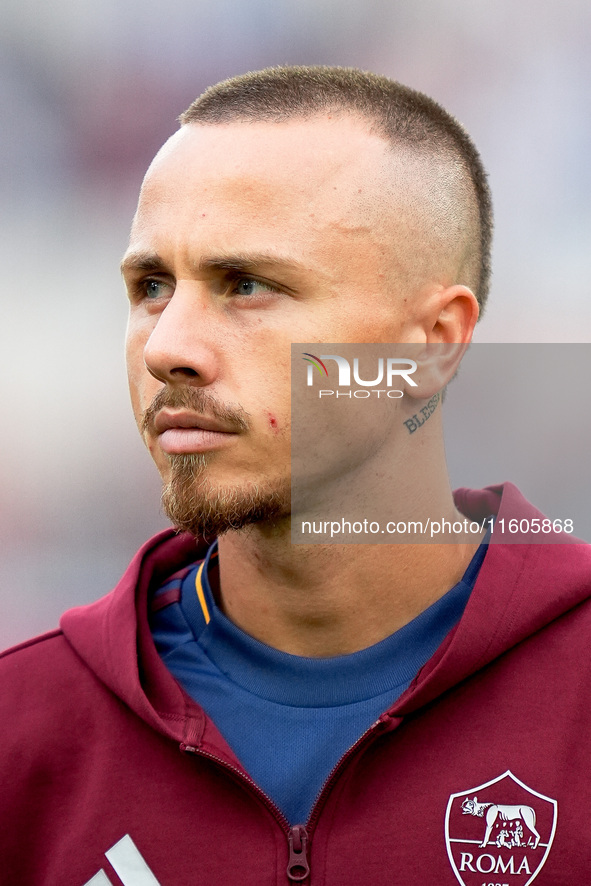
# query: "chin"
197 504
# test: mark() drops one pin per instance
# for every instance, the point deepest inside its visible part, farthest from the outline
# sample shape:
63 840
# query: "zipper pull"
298 868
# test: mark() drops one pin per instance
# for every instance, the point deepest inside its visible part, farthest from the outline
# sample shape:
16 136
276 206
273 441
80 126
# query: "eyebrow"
151 262
141 261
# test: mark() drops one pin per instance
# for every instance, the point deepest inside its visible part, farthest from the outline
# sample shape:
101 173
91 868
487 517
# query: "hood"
520 589
112 636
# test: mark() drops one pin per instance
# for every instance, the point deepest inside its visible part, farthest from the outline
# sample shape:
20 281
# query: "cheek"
137 334
133 353
142 386
273 422
270 420
134 380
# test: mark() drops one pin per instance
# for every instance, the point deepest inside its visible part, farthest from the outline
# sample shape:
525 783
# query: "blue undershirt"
289 719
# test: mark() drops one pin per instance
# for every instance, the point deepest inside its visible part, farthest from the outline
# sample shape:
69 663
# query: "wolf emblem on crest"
494 811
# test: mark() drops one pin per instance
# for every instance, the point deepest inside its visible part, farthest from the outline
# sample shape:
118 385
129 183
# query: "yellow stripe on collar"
201 595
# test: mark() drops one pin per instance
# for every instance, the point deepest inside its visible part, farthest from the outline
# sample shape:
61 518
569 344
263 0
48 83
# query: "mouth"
184 432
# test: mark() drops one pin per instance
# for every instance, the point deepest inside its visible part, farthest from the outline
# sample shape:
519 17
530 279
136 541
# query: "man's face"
248 237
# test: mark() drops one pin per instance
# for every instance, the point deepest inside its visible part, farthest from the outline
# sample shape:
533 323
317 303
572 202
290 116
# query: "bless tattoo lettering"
414 423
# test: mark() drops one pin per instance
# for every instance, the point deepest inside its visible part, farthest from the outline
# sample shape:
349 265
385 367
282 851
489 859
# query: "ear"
436 365
450 314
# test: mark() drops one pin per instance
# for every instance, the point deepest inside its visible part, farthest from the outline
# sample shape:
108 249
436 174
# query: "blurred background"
88 93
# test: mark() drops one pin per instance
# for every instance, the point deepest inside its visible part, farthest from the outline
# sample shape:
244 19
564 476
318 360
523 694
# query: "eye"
152 289
248 286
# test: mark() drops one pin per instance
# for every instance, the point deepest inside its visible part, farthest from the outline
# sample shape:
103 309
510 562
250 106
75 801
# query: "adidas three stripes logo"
125 859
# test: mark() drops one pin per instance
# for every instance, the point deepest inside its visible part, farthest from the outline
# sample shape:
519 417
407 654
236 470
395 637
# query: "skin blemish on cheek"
273 422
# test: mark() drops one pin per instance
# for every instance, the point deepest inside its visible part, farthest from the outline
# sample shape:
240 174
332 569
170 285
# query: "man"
251 711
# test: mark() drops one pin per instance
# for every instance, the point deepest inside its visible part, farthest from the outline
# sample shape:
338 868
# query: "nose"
181 347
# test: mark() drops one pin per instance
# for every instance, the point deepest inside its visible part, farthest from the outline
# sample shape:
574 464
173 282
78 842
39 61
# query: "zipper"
243 777
324 791
299 836
298 866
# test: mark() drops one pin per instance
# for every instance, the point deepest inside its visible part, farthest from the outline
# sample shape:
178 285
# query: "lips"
184 432
168 419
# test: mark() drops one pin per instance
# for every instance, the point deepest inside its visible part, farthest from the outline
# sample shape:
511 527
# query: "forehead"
298 177
340 148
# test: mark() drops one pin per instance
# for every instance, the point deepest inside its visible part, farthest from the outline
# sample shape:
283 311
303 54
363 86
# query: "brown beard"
194 505
189 499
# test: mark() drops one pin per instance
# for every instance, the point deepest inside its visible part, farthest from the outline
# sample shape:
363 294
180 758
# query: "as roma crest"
499 833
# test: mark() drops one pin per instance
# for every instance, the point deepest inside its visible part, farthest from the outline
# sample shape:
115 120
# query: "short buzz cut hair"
404 117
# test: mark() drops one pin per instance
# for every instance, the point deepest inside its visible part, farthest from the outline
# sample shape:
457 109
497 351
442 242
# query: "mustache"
197 400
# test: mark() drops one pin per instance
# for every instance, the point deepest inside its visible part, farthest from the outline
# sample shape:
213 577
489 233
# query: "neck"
328 600
333 599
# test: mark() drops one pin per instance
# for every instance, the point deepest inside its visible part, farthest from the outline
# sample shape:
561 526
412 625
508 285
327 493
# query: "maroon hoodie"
479 774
